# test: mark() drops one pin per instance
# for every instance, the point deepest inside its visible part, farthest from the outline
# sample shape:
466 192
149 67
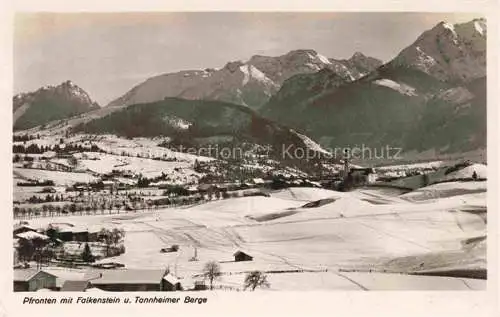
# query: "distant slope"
49 104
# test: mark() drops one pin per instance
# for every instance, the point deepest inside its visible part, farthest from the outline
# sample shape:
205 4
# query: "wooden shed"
28 280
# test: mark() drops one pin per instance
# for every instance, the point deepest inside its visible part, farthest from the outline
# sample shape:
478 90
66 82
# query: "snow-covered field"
443 175
404 167
59 178
399 87
100 163
360 229
142 147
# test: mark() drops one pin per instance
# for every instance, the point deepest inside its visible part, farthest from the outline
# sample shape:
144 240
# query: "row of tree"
40 149
48 199
24 137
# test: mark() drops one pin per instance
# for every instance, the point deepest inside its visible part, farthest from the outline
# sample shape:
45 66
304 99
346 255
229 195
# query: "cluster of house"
66 232
112 280
126 280
71 240
118 280
106 184
23 231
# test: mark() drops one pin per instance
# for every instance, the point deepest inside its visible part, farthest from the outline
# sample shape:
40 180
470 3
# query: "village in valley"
224 179
88 218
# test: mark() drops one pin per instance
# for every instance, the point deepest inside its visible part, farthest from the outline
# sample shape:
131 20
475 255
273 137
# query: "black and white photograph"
257 152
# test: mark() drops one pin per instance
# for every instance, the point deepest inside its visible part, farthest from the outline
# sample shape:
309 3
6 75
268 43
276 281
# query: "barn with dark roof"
242 256
132 280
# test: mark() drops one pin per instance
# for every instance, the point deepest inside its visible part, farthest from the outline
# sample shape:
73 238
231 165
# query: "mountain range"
249 83
431 96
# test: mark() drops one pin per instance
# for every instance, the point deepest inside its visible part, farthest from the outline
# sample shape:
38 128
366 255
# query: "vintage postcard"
165 160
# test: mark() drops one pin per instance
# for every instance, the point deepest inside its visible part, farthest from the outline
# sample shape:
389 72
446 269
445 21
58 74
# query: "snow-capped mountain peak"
323 59
479 28
450 27
233 66
74 90
449 52
251 72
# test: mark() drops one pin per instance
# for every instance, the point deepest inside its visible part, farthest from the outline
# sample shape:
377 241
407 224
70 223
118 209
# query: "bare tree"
211 271
72 208
38 246
87 254
22 211
29 212
45 208
256 279
117 235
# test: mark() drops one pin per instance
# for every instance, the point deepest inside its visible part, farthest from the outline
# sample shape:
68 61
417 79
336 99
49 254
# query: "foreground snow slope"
355 281
447 189
345 232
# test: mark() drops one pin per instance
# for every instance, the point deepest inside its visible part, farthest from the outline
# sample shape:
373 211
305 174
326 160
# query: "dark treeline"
24 138
36 149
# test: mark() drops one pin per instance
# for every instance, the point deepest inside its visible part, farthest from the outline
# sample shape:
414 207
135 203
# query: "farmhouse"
124 183
32 235
75 286
69 275
74 234
79 187
133 280
28 280
242 256
79 234
171 283
200 285
362 175
258 181
160 184
192 189
108 185
21 228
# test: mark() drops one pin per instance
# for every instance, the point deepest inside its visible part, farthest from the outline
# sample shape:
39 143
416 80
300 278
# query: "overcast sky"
107 54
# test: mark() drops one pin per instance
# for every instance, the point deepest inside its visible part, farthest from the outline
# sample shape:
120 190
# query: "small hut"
240 256
171 283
